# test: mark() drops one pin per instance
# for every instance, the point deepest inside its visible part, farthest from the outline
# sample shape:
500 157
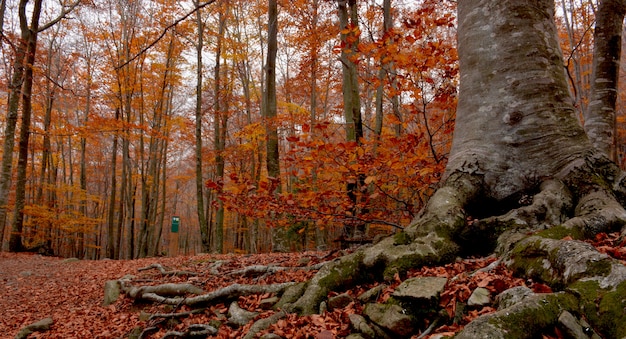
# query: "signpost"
174 236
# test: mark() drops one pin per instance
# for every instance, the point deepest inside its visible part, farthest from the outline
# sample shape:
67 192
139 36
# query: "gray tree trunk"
201 211
219 128
270 115
600 116
520 163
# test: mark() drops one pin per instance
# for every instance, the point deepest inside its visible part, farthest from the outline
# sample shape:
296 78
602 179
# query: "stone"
271 336
372 294
323 307
356 336
359 324
238 316
70 260
303 261
421 289
480 297
571 326
390 317
513 296
339 301
111 292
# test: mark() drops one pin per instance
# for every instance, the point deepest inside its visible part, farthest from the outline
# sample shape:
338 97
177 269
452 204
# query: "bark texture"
522 175
600 122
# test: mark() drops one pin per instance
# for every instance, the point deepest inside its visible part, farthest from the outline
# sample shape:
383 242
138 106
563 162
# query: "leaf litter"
34 287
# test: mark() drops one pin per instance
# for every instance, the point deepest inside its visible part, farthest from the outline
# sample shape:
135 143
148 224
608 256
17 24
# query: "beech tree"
522 179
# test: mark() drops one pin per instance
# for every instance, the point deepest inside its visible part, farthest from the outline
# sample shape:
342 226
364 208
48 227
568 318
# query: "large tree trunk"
600 123
520 163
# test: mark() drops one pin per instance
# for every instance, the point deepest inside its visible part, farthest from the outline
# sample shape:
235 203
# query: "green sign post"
175 224
174 236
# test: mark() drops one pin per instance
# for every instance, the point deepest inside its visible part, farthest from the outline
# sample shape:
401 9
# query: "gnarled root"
426 242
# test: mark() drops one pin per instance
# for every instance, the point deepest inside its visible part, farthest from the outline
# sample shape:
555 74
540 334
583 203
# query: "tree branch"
170 26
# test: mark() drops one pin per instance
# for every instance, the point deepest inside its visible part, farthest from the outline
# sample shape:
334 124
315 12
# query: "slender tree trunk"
219 137
200 190
600 117
15 241
15 93
349 25
113 230
270 115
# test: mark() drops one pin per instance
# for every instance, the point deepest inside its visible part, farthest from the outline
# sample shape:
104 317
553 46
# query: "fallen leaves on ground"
33 287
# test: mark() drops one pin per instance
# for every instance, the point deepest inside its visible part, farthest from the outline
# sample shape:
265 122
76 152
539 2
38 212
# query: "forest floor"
34 287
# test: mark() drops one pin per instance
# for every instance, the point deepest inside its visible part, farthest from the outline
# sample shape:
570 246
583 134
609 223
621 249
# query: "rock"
70 260
111 292
372 294
238 316
359 324
356 336
323 307
421 289
303 261
571 326
480 297
513 296
390 317
144 316
268 303
271 336
135 333
339 301
26 273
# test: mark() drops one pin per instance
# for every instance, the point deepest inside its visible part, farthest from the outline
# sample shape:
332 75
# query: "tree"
220 125
24 63
201 211
520 163
600 117
270 113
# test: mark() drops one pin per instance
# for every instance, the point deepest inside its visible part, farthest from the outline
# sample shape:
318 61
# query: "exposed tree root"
263 270
174 294
163 271
535 236
193 331
39 326
576 268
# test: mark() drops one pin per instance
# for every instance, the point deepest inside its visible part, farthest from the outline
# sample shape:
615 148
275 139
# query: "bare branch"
172 25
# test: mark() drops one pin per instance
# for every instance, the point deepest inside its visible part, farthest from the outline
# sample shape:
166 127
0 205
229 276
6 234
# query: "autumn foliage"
112 146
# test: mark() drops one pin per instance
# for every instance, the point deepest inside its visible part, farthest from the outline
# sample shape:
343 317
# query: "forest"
313 169
137 112
140 111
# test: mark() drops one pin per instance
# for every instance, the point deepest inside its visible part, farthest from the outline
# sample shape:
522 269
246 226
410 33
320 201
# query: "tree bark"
520 164
201 211
219 137
270 115
30 35
15 92
600 117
